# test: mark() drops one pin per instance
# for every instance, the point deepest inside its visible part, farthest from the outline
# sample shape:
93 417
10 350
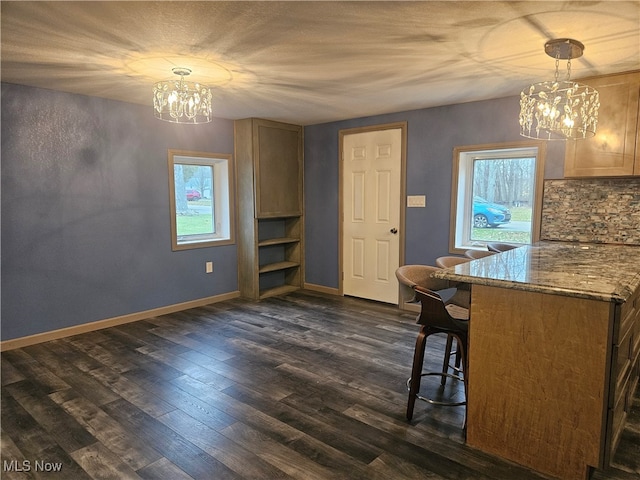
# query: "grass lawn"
497 235
193 224
521 214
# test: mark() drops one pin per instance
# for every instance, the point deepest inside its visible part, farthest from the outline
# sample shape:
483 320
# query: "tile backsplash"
595 210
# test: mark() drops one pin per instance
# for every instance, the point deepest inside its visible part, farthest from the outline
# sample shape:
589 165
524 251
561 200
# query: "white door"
372 166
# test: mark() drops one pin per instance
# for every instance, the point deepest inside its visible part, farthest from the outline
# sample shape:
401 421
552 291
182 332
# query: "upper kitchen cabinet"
614 151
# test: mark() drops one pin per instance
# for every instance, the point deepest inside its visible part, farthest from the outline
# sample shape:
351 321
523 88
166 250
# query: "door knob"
394 230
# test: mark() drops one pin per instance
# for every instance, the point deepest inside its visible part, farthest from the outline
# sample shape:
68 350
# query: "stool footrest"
437 402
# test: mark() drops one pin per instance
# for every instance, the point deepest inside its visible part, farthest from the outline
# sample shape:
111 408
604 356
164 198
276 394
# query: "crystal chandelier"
559 109
179 101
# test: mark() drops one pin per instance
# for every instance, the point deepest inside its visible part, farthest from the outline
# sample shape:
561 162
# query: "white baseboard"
111 322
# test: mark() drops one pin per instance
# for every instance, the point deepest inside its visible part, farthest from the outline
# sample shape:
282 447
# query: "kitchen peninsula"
554 348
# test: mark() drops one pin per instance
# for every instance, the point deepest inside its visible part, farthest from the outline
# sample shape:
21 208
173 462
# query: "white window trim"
462 188
224 231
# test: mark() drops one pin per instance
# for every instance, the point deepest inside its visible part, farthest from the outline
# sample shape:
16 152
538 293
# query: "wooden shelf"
272 267
278 241
281 290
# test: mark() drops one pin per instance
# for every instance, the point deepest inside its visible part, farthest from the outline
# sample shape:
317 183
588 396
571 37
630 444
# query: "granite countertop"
595 271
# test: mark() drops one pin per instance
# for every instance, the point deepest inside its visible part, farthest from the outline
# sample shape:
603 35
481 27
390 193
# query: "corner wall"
85 212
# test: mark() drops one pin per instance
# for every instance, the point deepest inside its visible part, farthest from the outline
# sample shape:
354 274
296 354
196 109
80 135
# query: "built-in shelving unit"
269 163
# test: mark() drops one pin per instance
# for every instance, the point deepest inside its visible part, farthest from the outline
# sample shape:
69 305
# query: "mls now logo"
28 466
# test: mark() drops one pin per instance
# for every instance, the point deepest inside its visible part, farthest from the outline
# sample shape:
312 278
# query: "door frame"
403 188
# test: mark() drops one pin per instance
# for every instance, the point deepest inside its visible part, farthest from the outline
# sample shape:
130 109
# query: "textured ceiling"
312 62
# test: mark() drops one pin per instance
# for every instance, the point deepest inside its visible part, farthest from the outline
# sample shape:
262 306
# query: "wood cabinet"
269 160
625 369
551 378
615 149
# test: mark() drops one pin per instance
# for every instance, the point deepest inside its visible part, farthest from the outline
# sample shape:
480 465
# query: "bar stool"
475 254
436 317
500 247
451 261
411 275
462 299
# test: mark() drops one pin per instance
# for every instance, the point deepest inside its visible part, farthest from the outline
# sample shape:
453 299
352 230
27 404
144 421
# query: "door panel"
372 167
383 257
358 259
357 200
383 191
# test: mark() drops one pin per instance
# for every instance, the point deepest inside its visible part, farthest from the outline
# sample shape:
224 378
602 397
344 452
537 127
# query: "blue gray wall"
85 205
432 135
85 212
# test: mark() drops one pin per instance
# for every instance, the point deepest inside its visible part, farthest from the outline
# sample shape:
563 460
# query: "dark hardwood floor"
306 386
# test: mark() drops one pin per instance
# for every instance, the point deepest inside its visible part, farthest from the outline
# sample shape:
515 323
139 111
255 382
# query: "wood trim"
111 322
409 307
321 288
455 174
403 126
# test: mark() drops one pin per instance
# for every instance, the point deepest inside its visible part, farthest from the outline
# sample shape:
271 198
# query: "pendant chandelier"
559 109
180 101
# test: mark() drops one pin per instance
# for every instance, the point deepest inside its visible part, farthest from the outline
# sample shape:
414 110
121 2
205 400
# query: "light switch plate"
416 200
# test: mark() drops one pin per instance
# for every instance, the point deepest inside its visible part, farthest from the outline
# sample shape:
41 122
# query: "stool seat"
451 261
411 275
475 254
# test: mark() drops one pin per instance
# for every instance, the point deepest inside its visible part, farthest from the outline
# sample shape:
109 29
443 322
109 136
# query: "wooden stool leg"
447 356
465 369
416 371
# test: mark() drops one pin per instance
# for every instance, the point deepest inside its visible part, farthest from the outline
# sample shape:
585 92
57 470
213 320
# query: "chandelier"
559 109
179 101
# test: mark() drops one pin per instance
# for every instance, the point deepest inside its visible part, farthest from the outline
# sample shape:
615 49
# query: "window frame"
223 198
494 150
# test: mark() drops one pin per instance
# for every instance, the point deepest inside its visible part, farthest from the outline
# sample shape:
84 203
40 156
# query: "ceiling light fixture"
179 101
559 109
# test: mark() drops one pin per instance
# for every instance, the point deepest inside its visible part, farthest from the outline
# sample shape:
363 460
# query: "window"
496 194
200 190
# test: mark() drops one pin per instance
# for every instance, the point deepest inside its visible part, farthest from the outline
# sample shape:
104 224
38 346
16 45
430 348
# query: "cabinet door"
612 151
278 169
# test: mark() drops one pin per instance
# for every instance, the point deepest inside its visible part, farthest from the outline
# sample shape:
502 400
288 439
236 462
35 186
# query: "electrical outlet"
209 267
